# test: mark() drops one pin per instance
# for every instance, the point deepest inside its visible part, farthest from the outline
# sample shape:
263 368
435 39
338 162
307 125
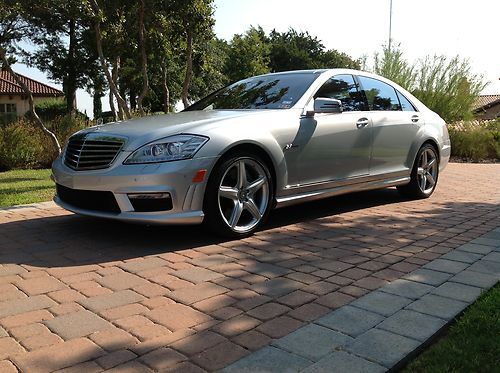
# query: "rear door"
395 124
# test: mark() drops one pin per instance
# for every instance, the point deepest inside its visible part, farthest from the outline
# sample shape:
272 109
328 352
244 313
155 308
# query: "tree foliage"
445 85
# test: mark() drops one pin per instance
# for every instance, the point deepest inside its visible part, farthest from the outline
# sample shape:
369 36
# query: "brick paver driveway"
93 295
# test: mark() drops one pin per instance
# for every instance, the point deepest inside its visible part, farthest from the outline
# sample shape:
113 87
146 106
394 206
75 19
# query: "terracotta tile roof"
486 100
9 86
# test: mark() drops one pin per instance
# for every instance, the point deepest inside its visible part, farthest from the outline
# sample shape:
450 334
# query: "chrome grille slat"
90 152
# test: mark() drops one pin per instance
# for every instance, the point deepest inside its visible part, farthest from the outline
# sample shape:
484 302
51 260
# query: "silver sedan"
263 142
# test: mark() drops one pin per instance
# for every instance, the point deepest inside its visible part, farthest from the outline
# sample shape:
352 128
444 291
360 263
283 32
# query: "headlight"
172 148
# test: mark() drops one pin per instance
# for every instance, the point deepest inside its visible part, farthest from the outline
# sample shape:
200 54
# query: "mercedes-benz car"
263 142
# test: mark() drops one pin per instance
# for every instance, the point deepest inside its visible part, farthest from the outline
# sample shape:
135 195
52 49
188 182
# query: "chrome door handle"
415 118
362 123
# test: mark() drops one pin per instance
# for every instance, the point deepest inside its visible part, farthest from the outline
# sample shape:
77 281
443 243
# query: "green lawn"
472 344
19 187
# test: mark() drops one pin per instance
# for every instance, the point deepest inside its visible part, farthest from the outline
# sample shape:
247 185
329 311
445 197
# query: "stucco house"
487 107
14 102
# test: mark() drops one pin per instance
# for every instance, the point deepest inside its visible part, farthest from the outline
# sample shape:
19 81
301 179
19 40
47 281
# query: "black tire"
217 209
424 178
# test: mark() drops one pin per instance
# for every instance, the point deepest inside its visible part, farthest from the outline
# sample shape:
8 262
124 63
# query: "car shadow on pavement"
71 240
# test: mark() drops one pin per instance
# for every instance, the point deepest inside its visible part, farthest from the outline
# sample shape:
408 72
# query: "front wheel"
424 175
239 196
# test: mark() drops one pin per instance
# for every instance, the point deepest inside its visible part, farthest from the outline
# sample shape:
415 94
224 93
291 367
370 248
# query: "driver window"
345 89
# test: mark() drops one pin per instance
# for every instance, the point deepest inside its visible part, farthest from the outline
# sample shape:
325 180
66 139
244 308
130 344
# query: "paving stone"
122 281
252 340
382 347
162 358
269 359
342 362
177 316
382 303
444 308
427 276
407 289
312 341
211 260
142 265
268 311
279 327
333 265
482 280
486 266
335 300
219 356
267 270
448 266
196 293
113 339
276 287
493 257
350 320
309 312
130 367
107 301
198 342
494 234
462 256
25 318
9 347
458 291
236 325
197 275
17 306
486 242
475 248
412 324
7 367
65 355
115 358
41 285
77 324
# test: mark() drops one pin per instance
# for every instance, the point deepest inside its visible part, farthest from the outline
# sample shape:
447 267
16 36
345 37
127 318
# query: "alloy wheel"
243 194
427 170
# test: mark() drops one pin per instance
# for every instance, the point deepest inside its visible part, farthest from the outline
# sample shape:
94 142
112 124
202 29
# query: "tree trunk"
189 67
70 78
122 105
114 76
142 43
166 91
38 121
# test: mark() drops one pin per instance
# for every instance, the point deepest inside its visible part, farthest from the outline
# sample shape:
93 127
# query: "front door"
335 146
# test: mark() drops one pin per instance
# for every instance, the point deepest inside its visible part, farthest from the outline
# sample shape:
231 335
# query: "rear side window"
405 104
380 96
345 89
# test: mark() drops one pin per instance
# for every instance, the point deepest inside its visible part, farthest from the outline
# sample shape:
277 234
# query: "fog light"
150 202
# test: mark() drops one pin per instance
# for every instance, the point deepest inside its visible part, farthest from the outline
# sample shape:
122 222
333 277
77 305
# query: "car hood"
140 131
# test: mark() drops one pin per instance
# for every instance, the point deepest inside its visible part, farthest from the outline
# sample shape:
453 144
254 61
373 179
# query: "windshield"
275 91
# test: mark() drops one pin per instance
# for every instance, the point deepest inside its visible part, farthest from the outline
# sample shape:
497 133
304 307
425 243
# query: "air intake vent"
91 151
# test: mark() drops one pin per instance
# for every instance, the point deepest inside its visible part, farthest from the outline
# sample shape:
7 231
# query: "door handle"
362 123
415 118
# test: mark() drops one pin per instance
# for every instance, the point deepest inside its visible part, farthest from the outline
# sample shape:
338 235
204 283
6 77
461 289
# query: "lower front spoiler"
156 218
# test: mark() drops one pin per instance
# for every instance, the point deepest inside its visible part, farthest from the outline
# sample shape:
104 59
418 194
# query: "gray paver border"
489 241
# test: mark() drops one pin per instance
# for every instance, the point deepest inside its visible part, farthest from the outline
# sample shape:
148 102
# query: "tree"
248 55
14 29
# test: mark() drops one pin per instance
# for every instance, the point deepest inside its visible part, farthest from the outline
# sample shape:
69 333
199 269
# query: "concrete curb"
385 328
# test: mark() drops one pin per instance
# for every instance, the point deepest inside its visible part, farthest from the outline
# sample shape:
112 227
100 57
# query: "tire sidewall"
414 176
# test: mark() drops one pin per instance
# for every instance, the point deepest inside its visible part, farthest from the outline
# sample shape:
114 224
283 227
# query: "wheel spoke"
431 163
236 214
256 185
229 193
431 180
242 175
420 171
252 208
424 159
423 181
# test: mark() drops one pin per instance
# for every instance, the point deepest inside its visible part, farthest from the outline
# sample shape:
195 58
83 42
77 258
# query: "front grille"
90 152
88 199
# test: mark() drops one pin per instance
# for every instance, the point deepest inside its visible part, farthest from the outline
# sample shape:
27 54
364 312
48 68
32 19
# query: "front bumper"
174 178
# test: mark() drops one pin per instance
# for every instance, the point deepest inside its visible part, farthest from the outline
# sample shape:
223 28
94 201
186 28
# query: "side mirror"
327 105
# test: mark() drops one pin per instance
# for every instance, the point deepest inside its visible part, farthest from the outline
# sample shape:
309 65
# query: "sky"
360 27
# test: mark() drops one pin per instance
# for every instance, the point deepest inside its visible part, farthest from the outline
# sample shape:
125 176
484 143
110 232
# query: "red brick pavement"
94 295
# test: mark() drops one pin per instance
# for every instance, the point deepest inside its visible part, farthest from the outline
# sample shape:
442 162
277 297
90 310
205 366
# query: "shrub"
475 141
22 145
50 109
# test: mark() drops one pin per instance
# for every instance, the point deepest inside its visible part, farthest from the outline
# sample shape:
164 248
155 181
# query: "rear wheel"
239 196
424 175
